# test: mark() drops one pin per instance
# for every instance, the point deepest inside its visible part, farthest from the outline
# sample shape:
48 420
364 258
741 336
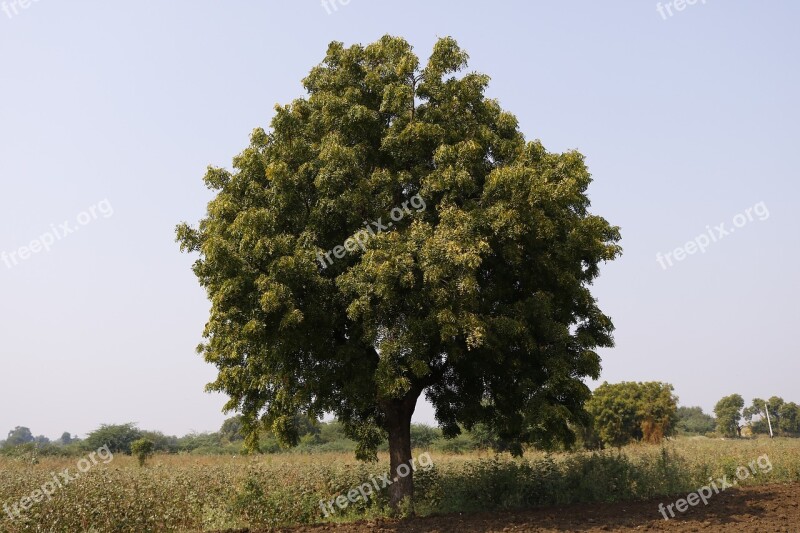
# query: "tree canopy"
693 421
631 411
729 413
479 297
18 436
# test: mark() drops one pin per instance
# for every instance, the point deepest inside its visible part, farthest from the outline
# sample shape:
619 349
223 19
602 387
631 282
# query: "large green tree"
477 297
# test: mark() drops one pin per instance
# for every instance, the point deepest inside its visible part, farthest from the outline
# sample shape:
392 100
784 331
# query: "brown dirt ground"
770 508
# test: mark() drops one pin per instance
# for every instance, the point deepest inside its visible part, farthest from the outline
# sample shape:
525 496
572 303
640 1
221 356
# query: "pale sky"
110 112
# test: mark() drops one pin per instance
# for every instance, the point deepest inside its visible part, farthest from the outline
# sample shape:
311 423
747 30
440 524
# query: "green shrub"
142 449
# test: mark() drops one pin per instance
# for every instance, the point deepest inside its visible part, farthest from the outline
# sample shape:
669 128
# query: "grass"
191 493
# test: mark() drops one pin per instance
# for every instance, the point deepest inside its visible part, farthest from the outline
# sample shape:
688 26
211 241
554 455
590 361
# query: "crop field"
217 493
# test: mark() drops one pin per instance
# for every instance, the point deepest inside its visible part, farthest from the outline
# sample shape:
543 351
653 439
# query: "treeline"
314 437
616 415
736 420
621 413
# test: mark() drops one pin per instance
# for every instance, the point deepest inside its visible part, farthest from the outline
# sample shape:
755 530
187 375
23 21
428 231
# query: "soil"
770 508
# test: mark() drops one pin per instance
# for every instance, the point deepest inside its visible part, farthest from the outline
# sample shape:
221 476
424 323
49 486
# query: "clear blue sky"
686 121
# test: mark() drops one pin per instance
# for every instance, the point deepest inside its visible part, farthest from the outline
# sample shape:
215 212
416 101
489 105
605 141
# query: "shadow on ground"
771 508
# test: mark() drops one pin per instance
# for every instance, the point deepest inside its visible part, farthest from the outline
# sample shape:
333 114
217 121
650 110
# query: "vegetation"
478 296
186 489
191 493
628 411
729 413
142 449
693 421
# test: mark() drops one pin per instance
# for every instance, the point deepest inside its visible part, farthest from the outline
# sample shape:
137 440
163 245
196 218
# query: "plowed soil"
771 508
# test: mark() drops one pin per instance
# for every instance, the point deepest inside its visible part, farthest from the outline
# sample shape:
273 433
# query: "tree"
613 410
657 411
756 409
118 438
142 449
790 418
759 408
422 435
394 235
161 443
729 413
693 421
774 405
66 438
231 429
18 436
629 411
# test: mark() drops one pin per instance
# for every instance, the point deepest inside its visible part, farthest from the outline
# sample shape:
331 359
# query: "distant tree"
18 436
755 415
485 438
729 414
204 442
66 438
774 405
307 426
657 411
41 440
692 420
161 443
333 431
142 449
628 411
423 435
118 438
232 429
613 409
790 418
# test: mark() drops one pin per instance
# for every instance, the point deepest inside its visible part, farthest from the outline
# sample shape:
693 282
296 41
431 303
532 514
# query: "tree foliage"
479 297
633 411
231 429
118 437
790 418
693 421
142 449
18 436
729 415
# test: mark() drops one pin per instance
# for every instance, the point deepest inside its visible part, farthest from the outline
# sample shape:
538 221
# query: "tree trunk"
398 419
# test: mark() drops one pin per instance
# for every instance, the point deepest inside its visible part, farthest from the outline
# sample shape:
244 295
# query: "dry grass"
191 493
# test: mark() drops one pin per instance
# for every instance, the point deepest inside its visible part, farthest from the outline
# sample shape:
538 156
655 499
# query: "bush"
142 449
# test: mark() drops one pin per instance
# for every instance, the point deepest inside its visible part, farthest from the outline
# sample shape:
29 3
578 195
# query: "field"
216 493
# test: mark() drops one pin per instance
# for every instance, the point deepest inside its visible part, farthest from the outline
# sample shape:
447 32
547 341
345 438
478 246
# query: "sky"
111 111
